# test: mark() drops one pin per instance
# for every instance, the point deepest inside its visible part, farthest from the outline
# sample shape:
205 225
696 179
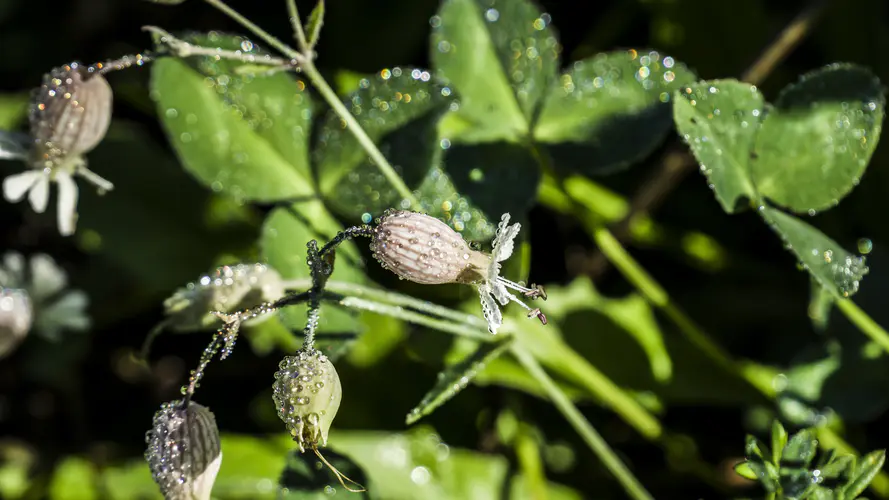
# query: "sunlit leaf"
815 144
285 234
779 440
245 134
800 449
456 377
381 335
499 58
719 120
867 467
610 110
835 269
74 479
399 109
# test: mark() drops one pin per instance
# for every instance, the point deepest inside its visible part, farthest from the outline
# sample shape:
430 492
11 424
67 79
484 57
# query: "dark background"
81 395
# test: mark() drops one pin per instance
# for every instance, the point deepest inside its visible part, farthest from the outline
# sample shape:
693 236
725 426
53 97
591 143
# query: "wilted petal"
503 241
67 204
47 277
15 186
38 197
490 309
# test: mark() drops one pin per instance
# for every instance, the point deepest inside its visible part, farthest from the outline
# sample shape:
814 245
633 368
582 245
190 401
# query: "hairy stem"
865 323
580 424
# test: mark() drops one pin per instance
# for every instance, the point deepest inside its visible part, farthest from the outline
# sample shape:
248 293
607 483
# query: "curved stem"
580 424
864 322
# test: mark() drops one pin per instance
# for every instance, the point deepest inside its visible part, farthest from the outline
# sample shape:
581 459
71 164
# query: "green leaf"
74 479
837 467
13 109
719 120
835 269
800 449
754 448
285 234
821 302
250 466
779 440
242 134
381 335
520 489
455 378
815 144
867 467
305 477
610 110
747 470
399 109
131 481
314 24
500 60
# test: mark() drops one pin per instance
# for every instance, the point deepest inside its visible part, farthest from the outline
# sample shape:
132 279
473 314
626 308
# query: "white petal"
67 204
500 292
39 195
503 242
15 186
47 278
489 309
203 484
14 270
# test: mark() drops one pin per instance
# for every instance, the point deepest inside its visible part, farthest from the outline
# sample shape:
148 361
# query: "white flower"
495 288
56 309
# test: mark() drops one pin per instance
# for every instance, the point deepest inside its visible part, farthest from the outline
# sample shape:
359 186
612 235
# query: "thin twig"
676 162
297 24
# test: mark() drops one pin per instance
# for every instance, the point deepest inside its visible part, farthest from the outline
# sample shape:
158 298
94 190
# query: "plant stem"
297 24
864 322
583 427
415 317
333 100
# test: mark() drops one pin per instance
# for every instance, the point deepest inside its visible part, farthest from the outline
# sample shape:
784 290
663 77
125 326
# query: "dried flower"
226 289
56 308
307 394
184 452
16 315
69 115
425 250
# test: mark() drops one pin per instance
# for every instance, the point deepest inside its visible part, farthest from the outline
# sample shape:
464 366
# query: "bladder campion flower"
423 249
184 453
69 115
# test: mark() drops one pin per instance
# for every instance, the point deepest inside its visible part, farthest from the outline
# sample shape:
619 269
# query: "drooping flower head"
184 453
423 249
307 394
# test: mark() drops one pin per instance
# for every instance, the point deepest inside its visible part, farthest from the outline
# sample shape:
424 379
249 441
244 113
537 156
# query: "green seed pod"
183 452
16 316
227 289
307 394
425 250
70 113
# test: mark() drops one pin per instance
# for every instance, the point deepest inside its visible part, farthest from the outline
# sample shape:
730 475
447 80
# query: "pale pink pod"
425 250
70 113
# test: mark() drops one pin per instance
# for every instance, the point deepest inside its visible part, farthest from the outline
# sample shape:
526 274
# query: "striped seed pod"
307 394
183 452
425 250
226 289
69 114
16 316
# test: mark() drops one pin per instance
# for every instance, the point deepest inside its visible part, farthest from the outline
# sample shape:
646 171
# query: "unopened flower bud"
183 452
227 289
16 316
307 394
70 113
425 250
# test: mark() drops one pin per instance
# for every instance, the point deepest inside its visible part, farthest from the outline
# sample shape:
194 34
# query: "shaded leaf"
719 119
835 269
455 378
500 59
285 234
821 302
815 144
314 24
399 109
246 134
305 477
13 109
800 449
837 467
779 440
610 110
867 467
